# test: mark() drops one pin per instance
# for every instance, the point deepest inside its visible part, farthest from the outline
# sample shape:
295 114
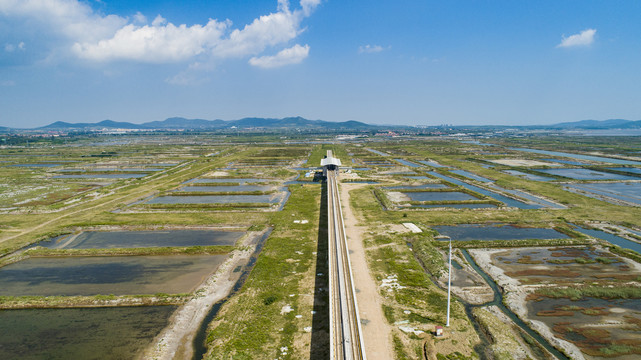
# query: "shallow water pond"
118 275
504 199
580 156
586 174
227 180
564 265
408 163
100 176
631 170
424 186
600 328
527 176
467 232
85 333
457 206
36 165
470 175
217 199
439 196
625 191
431 163
377 152
225 188
138 239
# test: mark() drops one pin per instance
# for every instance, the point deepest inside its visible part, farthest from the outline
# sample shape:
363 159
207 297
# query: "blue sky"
415 62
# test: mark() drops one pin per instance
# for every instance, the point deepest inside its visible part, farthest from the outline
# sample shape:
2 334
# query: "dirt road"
376 330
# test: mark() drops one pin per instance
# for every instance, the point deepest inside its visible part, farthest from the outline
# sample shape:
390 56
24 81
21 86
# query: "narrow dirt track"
376 330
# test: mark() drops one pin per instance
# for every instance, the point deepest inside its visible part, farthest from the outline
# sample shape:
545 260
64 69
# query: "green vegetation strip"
214 193
252 324
36 302
148 251
513 243
204 206
602 292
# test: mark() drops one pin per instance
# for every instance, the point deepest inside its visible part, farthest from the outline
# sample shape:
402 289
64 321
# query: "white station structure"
330 163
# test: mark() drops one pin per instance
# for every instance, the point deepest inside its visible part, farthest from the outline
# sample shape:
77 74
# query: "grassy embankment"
255 324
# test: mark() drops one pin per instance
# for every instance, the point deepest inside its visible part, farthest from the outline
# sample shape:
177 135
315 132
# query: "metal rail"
345 328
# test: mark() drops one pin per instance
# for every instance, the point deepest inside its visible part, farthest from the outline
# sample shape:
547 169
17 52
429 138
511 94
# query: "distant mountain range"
179 123
599 124
175 123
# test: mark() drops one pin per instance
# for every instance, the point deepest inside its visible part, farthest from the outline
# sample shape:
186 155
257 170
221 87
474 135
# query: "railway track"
346 339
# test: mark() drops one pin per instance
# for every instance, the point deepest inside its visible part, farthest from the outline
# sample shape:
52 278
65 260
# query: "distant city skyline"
382 62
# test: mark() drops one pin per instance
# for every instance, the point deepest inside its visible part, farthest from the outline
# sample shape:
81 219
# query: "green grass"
602 292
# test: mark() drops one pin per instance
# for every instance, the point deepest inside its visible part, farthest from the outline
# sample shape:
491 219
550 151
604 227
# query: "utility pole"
449 284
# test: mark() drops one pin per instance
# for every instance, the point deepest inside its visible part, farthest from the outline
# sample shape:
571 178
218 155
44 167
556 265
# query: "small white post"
449 282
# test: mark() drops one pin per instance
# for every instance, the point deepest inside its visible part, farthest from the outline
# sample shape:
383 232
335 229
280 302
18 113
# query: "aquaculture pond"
225 188
431 163
564 265
36 165
527 196
504 199
118 275
468 232
85 333
470 175
586 174
527 176
100 176
226 180
139 239
626 191
631 170
218 199
568 162
613 239
377 152
414 187
439 196
579 156
408 163
599 328
136 169
457 206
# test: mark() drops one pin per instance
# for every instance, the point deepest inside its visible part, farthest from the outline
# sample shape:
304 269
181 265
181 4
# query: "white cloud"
309 6
292 55
153 44
584 38
12 47
190 76
100 38
140 18
369 49
71 18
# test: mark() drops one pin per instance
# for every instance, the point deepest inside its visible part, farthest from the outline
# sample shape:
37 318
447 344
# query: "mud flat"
600 328
119 275
85 333
142 238
177 339
514 297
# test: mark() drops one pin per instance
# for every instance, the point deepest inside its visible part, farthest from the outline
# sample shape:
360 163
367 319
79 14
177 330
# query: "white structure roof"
330 161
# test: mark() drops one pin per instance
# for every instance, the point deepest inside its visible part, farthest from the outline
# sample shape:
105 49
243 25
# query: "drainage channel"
498 301
200 347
